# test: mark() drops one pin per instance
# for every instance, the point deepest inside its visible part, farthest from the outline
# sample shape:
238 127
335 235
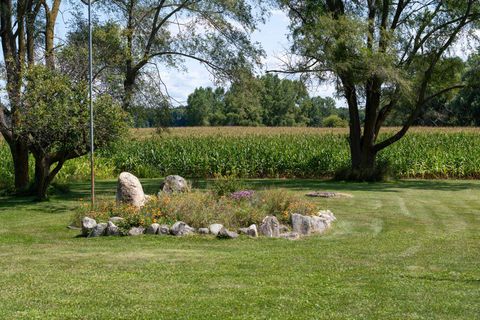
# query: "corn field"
273 153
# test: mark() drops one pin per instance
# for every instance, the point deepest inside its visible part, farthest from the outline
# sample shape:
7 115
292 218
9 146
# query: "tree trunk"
129 91
19 152
43 175
42 181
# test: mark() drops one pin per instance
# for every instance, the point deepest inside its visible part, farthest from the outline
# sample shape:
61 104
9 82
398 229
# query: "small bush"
334 121
224 185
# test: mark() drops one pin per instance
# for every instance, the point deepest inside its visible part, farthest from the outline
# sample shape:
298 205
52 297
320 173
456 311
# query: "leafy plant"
224 185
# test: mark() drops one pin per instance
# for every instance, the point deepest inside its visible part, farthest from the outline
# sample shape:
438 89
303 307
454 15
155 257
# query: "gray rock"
302 224
136 231
215 228
270 227
306 225
98 231
174 183
243 231
116 220
153 228
130 190
180 228
112 229
164 230
284 229
203 231
319 224
327 215
225 234
250 231
290 236
87 225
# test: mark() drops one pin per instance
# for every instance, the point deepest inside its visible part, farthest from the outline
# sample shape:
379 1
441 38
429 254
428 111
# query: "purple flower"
243 194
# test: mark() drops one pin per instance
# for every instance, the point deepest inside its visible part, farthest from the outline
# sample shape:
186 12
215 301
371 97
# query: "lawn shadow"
80 191
391 186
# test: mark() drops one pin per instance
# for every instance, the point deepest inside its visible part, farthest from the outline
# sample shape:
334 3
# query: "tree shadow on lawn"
391 186
81 190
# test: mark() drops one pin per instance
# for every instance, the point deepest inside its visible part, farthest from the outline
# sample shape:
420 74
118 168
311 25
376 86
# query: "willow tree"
215 33
381 54
25 27
45 111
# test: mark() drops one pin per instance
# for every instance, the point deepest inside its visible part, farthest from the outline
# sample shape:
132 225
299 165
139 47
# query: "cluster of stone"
91 229
270 227
302 225
130 191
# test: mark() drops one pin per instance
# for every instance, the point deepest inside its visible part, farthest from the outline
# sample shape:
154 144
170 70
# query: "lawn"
399 250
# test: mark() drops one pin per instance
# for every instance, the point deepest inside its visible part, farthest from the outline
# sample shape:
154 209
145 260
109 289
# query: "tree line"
254 101
269 100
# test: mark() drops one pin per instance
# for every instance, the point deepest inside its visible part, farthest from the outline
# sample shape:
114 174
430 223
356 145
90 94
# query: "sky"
273 37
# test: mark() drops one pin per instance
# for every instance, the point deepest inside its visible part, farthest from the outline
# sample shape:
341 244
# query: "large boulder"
174 184
87 225
305 225
270 227
112 229
215 228
153 228
180 228
301 224
98 231
224 233
129 190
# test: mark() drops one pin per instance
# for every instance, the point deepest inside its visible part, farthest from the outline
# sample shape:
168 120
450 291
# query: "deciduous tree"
380 54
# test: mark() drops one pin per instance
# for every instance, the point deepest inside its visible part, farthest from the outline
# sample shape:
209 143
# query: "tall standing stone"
129 190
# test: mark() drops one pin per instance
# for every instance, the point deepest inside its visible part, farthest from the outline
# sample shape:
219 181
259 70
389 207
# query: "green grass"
400 250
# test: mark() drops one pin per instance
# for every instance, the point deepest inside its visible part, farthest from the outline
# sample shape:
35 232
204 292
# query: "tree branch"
458 86
204 61
423 88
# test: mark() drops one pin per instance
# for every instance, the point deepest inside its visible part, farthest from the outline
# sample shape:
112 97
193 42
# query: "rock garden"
177 210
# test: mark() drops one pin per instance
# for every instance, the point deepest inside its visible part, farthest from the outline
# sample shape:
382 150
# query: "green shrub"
334 121
224 185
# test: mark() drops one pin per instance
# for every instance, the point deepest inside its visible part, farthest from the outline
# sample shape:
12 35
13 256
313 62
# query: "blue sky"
272 36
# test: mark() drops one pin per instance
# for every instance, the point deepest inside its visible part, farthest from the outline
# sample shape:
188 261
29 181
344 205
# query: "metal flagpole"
90 102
